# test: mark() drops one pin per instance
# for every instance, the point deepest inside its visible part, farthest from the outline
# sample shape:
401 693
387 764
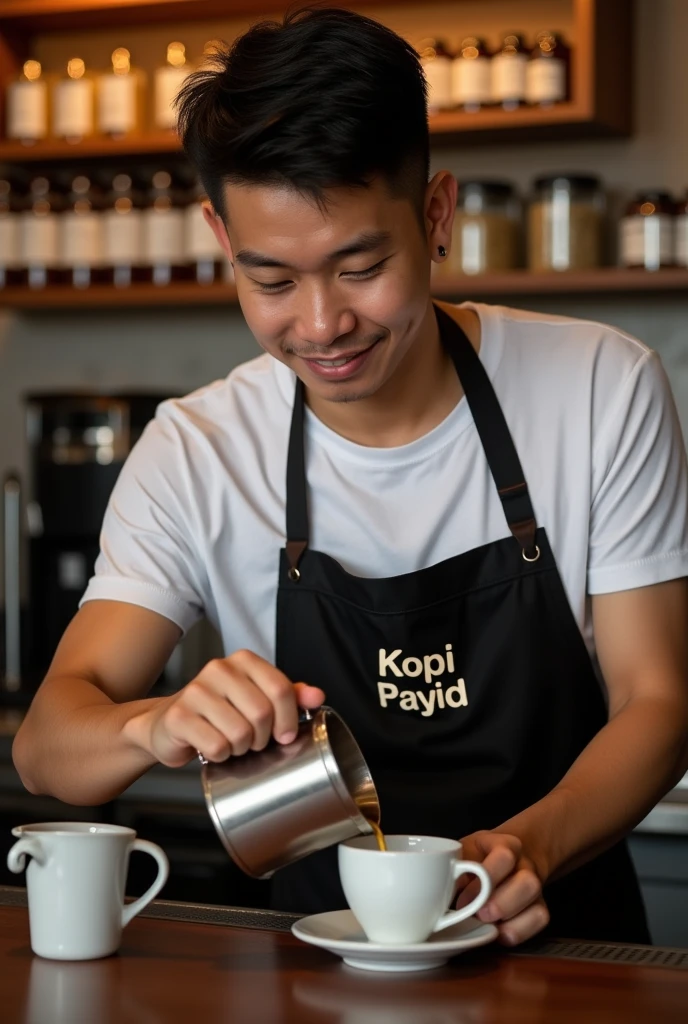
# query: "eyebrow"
368 241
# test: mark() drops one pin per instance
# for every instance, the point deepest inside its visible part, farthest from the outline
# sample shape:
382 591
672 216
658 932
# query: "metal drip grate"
603 952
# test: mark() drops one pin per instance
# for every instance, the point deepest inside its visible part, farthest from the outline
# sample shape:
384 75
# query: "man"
481 566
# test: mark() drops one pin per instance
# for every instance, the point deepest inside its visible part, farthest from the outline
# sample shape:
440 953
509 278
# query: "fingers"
309 696
246 680
526 924
512 897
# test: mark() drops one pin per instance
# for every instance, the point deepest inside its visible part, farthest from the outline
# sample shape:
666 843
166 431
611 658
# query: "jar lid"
655 196
582 181
488 189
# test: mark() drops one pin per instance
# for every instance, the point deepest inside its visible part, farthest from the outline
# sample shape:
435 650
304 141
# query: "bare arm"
91 731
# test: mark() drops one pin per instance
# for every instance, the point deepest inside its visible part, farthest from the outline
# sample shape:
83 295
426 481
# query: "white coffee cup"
400 896
76 880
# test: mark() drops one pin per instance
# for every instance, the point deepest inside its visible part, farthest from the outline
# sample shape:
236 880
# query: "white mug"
75 880
400 896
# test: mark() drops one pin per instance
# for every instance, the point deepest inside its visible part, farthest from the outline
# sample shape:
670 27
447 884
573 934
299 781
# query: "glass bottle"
203 251
11 194
81 234
548 70
437 66
681 247
39 234
74 103
163 230
647 231
123 232
27 105
121 97
509 73
169 79
471 75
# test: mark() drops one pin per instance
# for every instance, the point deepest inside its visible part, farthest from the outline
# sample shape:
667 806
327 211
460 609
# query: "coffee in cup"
400 896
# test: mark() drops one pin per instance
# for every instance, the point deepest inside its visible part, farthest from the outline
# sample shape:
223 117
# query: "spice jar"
647 231
681 247
122 232
437 67
509 73
27 105
163 230
471 75
74 103
548 70
38 234
11 192
565 223
485 235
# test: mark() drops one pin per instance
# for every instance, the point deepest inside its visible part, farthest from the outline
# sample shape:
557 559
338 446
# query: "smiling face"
340 294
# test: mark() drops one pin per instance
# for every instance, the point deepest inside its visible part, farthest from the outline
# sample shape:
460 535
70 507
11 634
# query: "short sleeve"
639 512
148 553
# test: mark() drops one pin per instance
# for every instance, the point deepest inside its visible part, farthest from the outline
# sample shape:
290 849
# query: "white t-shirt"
197 517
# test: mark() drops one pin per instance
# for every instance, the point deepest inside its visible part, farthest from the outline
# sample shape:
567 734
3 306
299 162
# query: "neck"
421 393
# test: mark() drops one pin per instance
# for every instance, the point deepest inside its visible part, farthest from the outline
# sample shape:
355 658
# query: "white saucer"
340 933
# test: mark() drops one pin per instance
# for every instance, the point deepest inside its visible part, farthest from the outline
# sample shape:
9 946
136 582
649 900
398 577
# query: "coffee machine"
78 443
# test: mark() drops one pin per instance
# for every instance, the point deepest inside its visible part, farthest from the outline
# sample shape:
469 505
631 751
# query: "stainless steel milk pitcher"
274 806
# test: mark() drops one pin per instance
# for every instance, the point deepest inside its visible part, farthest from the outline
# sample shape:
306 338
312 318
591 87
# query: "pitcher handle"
25 847
132 909
463 867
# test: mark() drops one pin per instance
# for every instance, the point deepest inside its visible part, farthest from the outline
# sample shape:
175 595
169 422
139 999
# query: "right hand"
234 705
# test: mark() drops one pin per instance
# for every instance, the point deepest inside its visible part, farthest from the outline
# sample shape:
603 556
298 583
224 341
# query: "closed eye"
355 275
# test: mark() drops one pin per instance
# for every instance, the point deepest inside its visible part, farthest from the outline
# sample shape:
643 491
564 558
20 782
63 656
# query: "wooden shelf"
601 80
49 150
607 280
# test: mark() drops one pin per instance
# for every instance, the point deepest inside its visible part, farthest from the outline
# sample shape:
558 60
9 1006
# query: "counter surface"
171 970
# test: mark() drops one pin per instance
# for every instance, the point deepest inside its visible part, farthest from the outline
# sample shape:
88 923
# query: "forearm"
74 744
638 756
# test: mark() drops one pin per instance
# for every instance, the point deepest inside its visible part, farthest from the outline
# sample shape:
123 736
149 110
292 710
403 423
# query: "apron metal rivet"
294 574
535 556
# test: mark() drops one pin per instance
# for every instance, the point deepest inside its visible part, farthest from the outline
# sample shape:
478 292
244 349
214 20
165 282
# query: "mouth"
341 367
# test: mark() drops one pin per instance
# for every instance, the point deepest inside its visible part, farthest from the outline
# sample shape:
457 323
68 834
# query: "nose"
322 316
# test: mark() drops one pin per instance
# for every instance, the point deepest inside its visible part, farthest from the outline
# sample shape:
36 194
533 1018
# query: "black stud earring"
442 251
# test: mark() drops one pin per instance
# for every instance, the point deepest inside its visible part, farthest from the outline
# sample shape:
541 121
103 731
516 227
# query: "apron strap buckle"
295 550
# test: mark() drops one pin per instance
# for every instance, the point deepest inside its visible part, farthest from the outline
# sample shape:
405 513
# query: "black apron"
467 685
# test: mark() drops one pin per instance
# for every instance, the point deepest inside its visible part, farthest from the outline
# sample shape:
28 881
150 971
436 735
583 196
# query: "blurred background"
565 124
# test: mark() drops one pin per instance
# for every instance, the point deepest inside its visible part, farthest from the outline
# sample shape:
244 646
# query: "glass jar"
27 105
164 219
548 71
681 247
39 234
485 235
204 253
11 195
647 231
566 223
509 73
122 219
437 66
471 75
169 79
81 233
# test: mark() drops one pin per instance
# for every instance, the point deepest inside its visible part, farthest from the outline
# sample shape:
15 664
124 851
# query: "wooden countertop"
199 973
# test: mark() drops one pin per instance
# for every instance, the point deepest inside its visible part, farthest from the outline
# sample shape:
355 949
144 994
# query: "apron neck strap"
493 432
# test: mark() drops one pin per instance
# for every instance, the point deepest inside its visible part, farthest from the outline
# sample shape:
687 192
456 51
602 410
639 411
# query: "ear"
217 226
440 207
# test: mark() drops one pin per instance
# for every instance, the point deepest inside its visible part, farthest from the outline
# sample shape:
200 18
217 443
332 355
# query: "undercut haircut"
323 99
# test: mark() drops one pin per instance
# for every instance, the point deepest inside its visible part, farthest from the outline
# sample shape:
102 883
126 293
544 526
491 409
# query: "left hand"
516 905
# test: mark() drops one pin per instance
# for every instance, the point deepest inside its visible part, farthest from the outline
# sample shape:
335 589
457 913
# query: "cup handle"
132 909
462 867
23 848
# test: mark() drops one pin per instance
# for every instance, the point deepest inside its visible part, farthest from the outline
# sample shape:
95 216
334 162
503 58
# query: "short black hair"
323 99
